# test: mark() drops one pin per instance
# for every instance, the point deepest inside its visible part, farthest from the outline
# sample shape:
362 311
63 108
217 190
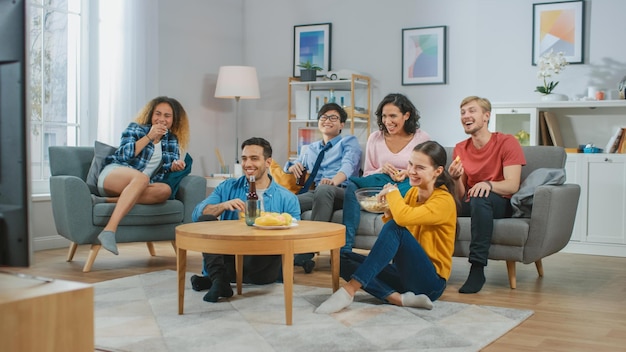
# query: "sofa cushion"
507 232
168 212
101 151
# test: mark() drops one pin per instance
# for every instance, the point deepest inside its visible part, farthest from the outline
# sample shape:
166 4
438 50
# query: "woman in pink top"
386 156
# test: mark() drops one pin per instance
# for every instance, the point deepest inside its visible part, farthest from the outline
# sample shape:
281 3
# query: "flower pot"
308 75
554 97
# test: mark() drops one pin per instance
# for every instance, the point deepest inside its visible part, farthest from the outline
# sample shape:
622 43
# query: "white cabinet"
606 198
306 98
600 226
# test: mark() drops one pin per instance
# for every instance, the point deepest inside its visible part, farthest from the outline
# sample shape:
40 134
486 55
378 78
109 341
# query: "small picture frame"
558 26
424 55
311 43
307 135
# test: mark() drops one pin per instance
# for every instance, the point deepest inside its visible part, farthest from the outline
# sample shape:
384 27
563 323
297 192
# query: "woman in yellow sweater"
417 239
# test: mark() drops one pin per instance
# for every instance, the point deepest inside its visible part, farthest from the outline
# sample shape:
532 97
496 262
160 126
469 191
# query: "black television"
15 249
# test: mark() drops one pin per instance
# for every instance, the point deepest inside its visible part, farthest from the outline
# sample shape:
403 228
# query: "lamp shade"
237 82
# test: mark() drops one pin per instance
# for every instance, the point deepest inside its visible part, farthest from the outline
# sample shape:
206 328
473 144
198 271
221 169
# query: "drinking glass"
253 211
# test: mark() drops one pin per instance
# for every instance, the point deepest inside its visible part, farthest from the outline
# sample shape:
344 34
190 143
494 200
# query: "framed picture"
424 55
311 43
558 26
307 135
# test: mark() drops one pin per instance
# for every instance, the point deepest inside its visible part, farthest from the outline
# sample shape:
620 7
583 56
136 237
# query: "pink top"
377 153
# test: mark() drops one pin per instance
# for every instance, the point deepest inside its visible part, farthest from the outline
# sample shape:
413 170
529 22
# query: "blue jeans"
351 215
411 269
483 210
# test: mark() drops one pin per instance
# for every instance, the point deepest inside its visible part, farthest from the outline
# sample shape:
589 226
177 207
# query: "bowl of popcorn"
367 199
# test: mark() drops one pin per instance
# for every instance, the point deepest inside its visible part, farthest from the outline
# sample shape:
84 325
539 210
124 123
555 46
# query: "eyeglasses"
332 118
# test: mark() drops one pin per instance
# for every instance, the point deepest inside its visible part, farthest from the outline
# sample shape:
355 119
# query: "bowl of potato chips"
367 199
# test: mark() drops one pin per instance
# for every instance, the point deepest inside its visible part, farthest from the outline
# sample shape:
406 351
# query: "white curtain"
128 60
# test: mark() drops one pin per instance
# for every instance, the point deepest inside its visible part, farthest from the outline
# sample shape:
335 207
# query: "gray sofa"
524 240
80 221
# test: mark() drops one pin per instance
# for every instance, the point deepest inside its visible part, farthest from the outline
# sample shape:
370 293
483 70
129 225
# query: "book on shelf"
543 130
614 141
622 142
553 128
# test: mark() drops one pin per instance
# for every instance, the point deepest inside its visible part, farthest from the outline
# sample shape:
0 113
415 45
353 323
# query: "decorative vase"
554 97
308 75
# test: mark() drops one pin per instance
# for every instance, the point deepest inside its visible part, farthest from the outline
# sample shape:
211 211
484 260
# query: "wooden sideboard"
45 315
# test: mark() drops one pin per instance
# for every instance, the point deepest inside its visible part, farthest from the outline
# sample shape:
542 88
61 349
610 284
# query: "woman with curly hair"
149 149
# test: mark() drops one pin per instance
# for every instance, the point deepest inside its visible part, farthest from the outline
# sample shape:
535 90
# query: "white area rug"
140 313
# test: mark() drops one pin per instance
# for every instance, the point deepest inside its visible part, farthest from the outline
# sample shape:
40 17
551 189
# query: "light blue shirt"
276 198
344 156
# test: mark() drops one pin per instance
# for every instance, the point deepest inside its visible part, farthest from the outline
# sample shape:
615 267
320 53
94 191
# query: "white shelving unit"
305 99
580 122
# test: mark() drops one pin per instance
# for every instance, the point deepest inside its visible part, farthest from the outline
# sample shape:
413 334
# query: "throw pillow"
173 178
100 152
282 178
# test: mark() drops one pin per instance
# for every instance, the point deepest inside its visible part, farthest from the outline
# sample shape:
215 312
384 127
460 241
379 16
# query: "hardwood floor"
579 305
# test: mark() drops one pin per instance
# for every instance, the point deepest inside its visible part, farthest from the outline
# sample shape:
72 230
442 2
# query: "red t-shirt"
487 163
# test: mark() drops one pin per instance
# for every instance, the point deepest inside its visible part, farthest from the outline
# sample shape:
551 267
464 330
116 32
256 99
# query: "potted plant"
308 71
550 64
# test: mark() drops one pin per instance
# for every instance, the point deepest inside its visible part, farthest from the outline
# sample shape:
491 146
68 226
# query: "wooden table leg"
334 266
181 269
288 285
239 272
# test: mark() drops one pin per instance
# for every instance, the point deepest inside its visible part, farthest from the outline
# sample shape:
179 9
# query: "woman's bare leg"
131 187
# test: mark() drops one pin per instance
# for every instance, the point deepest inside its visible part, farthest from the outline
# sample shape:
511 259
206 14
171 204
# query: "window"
55 81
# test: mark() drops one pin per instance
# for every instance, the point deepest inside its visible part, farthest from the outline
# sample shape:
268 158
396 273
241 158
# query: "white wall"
196 37
489 54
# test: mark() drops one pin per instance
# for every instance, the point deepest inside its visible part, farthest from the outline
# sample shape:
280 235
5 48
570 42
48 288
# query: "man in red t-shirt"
487 168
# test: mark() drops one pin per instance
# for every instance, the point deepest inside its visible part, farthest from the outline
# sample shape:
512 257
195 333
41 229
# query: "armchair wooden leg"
174 246
539 266
93 252
151 248
510 268
71 252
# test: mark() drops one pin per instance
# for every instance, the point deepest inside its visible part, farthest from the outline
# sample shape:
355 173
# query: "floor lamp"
238 82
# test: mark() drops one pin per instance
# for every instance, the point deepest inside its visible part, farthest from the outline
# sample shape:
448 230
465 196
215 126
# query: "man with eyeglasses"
339 159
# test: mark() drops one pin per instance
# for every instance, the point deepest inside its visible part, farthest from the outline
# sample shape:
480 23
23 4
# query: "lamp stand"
237 130
237 167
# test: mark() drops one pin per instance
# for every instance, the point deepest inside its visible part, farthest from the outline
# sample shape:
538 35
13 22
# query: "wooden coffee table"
236 238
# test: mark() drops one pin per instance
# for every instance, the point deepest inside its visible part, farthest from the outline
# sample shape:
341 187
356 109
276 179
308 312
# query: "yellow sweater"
432 223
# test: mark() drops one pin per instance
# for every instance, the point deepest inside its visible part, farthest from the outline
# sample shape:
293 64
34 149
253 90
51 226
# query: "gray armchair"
545 232
80 221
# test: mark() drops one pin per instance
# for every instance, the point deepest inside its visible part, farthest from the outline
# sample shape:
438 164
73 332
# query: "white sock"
409 299
338 301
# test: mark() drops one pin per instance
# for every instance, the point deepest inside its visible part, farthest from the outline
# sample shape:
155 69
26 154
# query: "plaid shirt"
125 154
